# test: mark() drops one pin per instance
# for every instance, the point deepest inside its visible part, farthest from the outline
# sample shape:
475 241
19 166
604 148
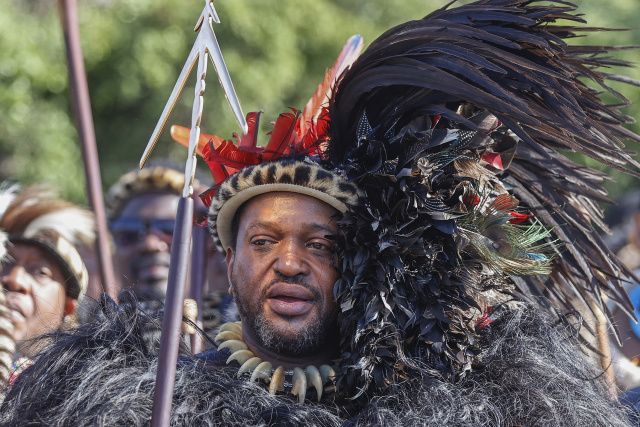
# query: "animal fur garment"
103 374
284 175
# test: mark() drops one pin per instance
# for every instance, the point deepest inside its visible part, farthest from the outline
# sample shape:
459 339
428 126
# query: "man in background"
141 209
624 241
42 273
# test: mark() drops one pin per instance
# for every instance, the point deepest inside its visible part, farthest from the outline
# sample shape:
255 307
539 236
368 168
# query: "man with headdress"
42 274
395 258
141 209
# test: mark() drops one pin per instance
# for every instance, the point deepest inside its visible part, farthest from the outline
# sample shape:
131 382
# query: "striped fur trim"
3 245
158 179
67 257
7 345
297 176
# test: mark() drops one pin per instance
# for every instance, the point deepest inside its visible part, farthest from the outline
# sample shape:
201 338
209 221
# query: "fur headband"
290 175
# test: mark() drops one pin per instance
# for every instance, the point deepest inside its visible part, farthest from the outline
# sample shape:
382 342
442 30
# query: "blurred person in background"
624 241
141 209
42 273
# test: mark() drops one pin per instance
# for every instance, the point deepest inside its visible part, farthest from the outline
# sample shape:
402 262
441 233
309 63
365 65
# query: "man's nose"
16 280
291 260
153 242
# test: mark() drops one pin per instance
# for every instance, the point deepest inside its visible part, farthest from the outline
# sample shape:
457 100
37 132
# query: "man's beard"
151 287
314 339
309 342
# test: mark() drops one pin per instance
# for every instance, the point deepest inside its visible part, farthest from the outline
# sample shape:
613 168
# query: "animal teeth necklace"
231 337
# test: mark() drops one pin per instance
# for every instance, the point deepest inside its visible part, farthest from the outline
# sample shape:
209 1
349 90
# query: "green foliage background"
276 51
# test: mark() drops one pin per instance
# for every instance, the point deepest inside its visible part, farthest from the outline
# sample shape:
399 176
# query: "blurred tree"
37 135
276 52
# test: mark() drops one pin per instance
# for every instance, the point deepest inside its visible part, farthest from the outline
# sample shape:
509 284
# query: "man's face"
282 272
143 233
33 283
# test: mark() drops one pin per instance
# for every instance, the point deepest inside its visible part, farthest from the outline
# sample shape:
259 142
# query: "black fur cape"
103 373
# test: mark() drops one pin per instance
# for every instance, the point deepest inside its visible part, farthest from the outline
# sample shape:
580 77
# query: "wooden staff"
84 123
198 274
602 333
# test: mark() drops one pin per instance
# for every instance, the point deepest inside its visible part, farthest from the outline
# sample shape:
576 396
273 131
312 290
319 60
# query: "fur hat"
162 177
35 216
289 175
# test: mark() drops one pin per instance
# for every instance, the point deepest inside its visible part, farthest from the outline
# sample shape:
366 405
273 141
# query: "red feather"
471 199
518 217
228 154
180 134
207 196
282 136
504 202
315 140
218 172
320 98
250 139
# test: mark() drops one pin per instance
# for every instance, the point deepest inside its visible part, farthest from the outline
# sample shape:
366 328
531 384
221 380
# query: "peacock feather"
499 236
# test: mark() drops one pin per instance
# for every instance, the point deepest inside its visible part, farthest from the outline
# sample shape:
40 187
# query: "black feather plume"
437 120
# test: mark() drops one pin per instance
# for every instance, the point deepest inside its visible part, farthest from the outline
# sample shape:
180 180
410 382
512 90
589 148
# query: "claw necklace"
231 337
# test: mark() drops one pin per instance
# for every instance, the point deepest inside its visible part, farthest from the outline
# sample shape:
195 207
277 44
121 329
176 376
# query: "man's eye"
321 246
43 272
6 268
261 242
126 237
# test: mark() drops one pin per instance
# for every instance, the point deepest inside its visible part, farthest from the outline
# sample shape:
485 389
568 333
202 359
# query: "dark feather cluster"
401 282
418 122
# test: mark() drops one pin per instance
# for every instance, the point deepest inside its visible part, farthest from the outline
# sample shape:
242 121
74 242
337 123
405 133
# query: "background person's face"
282 272
35 292
143 242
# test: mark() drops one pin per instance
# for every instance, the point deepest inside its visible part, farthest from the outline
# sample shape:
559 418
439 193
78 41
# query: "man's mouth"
17 317
16 311
288 299
152 268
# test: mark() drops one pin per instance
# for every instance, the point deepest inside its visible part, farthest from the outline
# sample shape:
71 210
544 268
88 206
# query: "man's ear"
70 305
231 258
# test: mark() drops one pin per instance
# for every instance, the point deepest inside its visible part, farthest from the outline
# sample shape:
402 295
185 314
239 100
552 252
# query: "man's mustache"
148 260
292 280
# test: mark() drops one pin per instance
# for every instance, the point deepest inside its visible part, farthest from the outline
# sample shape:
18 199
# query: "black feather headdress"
453 128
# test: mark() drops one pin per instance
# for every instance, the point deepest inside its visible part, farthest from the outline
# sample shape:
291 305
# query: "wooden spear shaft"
605 350
198 272
172 319
84 123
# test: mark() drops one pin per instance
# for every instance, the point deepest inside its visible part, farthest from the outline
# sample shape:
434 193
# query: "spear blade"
205 41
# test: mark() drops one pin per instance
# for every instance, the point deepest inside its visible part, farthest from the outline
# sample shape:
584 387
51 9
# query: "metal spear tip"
237 112
212 12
